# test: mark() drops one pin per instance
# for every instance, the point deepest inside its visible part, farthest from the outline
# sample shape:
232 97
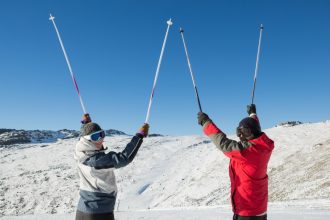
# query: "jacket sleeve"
116 160
231 148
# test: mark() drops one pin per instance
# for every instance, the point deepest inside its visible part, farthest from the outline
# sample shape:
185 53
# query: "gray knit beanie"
89 128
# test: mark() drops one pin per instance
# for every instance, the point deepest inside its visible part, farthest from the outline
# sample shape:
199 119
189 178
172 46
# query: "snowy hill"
13 136
168 173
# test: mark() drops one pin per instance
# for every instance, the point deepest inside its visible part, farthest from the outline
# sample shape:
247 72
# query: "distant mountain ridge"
111 132
13 136
289 123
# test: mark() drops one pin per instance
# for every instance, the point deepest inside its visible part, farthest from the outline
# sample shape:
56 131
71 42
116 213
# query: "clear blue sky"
114 48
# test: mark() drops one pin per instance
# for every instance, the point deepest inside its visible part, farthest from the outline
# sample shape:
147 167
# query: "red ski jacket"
247 170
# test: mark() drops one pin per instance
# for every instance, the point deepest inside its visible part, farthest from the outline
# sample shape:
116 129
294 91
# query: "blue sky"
114 48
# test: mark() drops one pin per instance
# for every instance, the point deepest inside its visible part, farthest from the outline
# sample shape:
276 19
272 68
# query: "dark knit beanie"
89 128
251 123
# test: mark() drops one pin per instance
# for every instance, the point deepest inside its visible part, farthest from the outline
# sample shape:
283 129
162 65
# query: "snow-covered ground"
192 213
183 177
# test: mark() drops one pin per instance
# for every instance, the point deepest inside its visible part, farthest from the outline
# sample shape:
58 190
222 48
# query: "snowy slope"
302 161
192 213
168 172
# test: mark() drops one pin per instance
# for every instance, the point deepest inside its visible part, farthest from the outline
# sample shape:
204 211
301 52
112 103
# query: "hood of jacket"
85 149
263 141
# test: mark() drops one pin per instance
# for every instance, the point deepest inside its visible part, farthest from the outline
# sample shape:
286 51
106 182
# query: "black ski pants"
102 216
238 217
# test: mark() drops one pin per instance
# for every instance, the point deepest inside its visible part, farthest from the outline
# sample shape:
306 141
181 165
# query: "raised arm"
116 160
229 147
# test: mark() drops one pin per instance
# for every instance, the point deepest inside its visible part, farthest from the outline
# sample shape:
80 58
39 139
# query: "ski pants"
101 216
238 217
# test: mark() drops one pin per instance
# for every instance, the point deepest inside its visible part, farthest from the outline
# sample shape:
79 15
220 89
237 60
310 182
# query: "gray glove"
202 118
251 109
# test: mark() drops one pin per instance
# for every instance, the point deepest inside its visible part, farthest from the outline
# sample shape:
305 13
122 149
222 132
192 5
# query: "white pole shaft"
68 63
169 23
257 62
190 69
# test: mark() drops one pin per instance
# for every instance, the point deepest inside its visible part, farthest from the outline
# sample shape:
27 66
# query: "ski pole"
68 63
169 23
190 69
257 63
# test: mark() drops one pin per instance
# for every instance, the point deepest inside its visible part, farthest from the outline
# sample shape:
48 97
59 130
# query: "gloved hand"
202 118
144 130
251 109
86 119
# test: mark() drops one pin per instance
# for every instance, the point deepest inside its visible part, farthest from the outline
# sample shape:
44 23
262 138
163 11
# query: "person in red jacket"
248 164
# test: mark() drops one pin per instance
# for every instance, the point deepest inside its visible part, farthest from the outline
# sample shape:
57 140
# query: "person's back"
98 188
248 165
248 176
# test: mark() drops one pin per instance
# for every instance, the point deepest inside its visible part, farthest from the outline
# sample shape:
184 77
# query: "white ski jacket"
98 189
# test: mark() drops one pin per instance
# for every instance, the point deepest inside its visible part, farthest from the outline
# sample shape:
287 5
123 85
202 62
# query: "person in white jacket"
98 189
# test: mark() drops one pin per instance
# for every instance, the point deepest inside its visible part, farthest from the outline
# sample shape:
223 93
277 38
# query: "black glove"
202 118
251 109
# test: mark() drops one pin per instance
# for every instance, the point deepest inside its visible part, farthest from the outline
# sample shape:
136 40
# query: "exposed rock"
155 135
289 123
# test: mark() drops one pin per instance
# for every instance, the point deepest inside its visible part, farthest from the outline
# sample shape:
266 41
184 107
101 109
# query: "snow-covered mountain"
169 172
13 136
112 132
